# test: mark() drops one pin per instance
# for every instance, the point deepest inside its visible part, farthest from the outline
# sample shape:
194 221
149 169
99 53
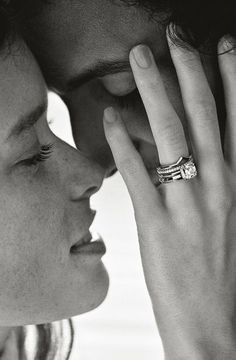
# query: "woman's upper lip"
84 240
87 235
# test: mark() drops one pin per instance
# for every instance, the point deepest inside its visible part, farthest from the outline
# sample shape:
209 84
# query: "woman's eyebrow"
28 120
100 69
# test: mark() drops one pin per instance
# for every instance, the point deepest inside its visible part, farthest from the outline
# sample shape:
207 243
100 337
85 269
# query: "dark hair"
199 23
47 341
5 23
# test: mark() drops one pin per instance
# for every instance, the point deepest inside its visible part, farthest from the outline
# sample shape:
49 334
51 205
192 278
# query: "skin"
92 31
101 30
44 208
186 228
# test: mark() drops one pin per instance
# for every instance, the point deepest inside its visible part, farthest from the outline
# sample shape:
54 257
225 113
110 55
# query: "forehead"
77 33
22 86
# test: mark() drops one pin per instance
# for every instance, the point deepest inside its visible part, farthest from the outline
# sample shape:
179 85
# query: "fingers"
165 124
227 63
198 102
129 163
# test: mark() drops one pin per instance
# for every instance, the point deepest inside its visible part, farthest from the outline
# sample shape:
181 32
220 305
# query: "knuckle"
191 60
188 57
172 133
128 165
153 84
228 61
223 202
115 133
204 107
189 218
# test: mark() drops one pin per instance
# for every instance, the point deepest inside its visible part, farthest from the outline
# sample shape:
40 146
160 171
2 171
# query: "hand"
186 229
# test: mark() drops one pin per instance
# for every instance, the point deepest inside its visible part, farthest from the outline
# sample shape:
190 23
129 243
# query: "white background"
123 327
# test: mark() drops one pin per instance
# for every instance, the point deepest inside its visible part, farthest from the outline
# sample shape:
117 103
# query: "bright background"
123 327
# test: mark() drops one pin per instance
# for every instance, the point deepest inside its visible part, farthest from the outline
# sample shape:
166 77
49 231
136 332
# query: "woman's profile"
51 267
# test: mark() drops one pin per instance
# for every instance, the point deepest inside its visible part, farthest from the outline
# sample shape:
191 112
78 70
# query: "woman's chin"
95 292
100 291
87 299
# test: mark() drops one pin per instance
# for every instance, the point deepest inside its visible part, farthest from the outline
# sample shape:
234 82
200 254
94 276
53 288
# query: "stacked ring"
183 169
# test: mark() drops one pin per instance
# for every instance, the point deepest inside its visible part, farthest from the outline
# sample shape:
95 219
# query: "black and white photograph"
117 180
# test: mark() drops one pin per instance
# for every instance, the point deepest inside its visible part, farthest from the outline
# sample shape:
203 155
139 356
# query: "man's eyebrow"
102 68
28 120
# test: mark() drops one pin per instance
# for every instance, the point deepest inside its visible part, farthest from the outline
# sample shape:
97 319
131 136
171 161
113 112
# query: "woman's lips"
85 240
89 244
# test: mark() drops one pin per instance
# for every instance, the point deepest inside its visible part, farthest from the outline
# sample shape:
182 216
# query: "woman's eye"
130 100
44 154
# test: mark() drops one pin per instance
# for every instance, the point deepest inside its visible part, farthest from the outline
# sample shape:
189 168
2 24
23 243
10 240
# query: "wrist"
201 349
197 338
199 345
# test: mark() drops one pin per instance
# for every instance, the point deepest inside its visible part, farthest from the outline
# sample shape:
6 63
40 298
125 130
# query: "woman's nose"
84 177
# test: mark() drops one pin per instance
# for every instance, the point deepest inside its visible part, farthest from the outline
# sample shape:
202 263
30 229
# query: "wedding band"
183 169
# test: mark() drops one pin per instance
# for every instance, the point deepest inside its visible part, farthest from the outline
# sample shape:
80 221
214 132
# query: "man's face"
86 46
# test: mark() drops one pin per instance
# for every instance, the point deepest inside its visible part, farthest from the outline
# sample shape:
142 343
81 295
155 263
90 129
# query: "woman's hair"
48 340
52 341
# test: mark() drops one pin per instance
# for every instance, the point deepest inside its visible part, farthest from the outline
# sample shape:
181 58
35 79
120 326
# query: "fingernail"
110 115
227 43
143 56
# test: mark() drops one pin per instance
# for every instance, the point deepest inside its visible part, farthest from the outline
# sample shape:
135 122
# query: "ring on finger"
183 169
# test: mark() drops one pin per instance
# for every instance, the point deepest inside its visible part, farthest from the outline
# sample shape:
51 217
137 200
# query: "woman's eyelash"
128 101
44 154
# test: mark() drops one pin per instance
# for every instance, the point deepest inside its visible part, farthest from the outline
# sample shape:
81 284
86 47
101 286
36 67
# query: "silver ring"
183 169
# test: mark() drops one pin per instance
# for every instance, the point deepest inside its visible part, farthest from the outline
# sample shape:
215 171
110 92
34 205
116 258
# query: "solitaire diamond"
188 171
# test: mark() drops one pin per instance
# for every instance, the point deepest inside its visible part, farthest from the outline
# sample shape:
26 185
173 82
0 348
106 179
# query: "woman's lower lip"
92 248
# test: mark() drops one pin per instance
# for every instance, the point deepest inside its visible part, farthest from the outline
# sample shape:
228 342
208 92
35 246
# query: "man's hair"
199 23
5 23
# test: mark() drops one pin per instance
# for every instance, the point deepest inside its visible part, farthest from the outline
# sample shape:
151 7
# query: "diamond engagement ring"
183 169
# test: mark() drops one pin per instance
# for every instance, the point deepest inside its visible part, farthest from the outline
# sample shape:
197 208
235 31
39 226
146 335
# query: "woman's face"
45 187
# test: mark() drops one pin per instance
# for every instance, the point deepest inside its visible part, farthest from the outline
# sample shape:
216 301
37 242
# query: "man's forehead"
89 33
80 67
86 24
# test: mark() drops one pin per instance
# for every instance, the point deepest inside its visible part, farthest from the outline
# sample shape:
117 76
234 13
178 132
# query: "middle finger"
166 126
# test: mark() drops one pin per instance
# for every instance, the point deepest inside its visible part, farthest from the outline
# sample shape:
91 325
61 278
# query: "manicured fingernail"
143 56
110 115
227 43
